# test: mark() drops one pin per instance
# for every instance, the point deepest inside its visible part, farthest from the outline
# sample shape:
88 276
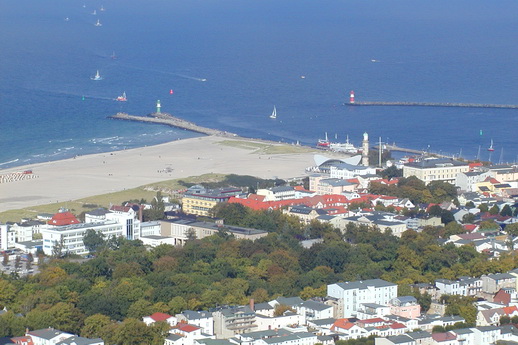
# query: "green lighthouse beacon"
158 106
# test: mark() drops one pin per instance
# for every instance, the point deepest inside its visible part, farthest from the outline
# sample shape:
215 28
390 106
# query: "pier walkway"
168 119
396 148
428 104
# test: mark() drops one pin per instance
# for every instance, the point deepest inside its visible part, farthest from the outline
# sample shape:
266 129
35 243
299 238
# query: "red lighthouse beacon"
351 97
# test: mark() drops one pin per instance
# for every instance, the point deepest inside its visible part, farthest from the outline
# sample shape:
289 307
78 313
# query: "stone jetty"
170 120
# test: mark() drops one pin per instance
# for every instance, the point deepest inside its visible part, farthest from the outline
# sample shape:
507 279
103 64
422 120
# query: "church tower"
365 150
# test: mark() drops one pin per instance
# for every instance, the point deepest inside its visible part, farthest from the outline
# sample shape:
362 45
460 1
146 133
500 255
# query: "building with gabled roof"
157 317
200 318
48 336
75 340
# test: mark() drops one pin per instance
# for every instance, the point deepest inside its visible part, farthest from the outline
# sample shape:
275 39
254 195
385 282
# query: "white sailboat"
98 23
97 76
274 113
122 98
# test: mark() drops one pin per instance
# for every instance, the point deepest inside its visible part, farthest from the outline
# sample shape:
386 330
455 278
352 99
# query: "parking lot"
22 268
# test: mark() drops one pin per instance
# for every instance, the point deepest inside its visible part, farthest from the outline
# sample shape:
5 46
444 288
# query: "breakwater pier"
430 104
170 120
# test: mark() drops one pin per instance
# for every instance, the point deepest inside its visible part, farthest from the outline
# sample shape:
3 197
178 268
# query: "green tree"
392 172
470 205
94 326
483 208
468 218
280 309
58 248
7 293
505 320
133 332
11 325
494 210
67 317
506 211
93 240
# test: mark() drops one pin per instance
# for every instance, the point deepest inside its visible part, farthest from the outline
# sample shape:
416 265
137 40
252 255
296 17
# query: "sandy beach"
96 174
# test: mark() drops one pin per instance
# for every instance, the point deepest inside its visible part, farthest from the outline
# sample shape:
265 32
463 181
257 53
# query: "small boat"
274 113
490 148
94 13
102 8
98 23
97 76
67 19
122 98
113 56
323 142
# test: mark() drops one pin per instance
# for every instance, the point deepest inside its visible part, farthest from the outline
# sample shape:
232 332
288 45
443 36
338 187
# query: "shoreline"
102 173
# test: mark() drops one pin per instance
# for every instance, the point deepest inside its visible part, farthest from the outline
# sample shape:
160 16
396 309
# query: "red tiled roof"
397 325
120 208
469 227
510 310
63 218
22 340
186 327
160 316
443 336
342 323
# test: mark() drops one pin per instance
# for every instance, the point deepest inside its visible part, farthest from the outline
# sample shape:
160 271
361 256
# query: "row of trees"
416 190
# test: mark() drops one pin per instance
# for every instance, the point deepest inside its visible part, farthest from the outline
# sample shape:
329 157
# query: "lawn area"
267 148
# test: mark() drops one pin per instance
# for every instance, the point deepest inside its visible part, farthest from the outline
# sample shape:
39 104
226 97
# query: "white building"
429 170
277 193
71 236
313 310
355 293
48 336
202 319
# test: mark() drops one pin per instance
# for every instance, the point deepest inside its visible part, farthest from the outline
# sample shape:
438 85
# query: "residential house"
202 319
466 181
346 330
446 338
491 283
355 293
48 336
277 193
312 310
287 319
75 340
230 321
395 340
157 317
405 306
372 310
304 213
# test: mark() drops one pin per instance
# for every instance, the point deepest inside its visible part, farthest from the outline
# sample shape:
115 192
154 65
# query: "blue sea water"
230 61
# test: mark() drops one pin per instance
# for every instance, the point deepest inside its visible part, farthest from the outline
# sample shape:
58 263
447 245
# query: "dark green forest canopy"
126 280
